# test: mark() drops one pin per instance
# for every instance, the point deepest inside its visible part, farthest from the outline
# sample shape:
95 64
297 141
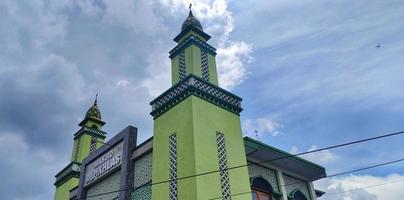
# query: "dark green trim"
67 173
257 144
198 78
73 188
319 193
187 87
69 165
91 119
189 41
191 28
64 179
292 194
90 131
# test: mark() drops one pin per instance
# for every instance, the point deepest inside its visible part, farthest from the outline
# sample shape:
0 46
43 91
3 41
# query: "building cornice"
70 171
191 28
90 131
193 85
91 119
195 41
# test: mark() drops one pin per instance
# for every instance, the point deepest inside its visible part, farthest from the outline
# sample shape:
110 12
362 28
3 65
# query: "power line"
284 157
334 175
361 188
365 168
334 193
269 160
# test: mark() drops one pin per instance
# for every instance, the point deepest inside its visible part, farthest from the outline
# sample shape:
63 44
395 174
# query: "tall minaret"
197 127
87 139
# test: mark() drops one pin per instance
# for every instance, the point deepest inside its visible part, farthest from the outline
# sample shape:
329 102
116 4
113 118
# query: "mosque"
197 151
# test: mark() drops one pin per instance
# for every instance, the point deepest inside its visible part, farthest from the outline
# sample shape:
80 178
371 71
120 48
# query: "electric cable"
284 157
274 159
365 187
334 175
365 168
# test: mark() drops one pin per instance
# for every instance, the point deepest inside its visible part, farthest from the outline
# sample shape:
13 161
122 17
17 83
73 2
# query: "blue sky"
309 72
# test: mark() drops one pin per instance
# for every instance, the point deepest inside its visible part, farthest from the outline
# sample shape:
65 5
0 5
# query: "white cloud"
321 157
231 61
261 126
363 187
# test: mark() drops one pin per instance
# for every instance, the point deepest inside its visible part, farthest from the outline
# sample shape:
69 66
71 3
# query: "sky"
310 73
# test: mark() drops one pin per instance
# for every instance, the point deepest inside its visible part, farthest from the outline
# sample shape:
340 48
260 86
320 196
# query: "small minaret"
87 139
193 55
197 127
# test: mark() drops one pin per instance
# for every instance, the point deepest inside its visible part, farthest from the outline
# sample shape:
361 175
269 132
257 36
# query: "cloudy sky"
310 74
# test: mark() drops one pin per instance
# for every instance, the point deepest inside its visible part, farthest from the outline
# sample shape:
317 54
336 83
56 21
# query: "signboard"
104 164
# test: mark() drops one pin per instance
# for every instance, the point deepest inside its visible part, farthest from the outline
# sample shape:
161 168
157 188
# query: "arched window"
94 126
298 195
261 189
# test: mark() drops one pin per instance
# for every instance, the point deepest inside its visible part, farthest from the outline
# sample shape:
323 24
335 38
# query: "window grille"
93 144
204 66
224 174
181 67
76 153
172 151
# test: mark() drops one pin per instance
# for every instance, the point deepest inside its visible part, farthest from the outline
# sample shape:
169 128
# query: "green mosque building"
197 151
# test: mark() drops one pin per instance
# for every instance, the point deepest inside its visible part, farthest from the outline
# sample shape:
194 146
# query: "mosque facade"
197 151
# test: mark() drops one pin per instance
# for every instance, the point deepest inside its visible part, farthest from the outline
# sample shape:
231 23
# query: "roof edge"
268 147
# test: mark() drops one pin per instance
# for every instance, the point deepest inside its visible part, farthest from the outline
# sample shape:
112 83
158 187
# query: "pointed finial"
96 97
190 10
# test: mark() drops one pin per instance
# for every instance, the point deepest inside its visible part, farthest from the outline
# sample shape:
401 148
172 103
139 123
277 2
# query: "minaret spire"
96 97
190 11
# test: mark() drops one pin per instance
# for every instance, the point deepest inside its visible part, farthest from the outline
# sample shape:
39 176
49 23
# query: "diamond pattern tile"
224 174
204 66
181 67
172 145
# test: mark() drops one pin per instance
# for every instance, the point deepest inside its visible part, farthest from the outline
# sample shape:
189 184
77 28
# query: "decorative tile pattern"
170 95
142 193
181 65
224 174
204 65
109 184
198 87
268 174
76 153
292 184
143 176
172 151
143 170
95 131
216 93
93 143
